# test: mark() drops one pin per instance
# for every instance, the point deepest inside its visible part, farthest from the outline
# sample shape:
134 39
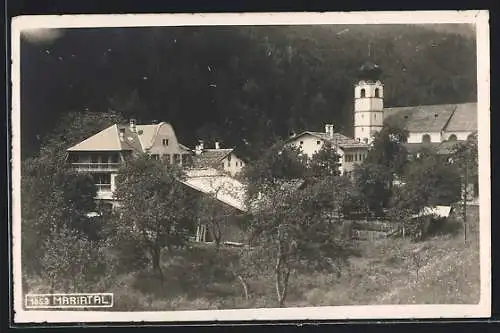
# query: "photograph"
239 167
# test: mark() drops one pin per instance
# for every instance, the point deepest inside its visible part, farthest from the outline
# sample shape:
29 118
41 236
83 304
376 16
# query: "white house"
350 151
102 154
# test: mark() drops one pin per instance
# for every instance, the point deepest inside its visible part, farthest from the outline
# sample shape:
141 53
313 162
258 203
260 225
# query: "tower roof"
369 71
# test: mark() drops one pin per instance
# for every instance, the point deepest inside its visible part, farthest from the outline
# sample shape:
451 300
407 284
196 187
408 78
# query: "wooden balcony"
96 167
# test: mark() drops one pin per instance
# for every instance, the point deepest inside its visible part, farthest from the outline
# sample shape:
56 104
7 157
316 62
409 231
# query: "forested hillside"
241 85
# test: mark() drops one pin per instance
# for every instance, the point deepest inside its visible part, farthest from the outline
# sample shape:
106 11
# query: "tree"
388 150
290 234
277 164
154 207
464 158
325 162
429 180
371 187
53 198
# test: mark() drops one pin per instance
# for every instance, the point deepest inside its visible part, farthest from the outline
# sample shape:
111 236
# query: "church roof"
434 118
464 118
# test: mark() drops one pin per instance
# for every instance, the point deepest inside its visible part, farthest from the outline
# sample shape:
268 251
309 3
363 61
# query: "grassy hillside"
441 270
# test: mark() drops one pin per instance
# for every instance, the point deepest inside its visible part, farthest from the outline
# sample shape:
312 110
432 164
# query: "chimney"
217 145
122 133
329 130
198 149
132 125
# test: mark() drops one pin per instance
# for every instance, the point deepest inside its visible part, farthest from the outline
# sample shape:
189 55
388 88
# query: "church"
438 127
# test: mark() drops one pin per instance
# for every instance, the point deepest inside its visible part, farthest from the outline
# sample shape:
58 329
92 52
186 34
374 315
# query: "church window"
363 93
377 92
452 137
426 138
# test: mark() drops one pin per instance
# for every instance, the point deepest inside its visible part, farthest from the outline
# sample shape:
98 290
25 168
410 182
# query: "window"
365 140
223 165
94 159
166 158
301 143
355 157
165 142
426 138
362 129
155 157
186 160
73 158
229 158
318 142
363 93
377 93
375 116
452 137
104 159
177 159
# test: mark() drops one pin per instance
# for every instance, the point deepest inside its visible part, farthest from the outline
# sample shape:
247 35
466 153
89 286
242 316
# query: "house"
102 153
223 159
350 151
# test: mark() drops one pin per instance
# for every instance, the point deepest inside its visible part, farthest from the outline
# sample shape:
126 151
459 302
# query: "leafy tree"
288 225
155 207
325 162
371 187
276 165
429 181
388 150
53 198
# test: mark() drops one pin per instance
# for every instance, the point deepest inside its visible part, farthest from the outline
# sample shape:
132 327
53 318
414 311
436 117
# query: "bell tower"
368 103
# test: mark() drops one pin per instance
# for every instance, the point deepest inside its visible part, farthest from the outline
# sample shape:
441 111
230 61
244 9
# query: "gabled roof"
434 118
109 140
421 118
210 157
341 140
464 118
225 188
146 138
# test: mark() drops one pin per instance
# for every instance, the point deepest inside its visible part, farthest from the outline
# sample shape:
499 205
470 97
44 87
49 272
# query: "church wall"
416 137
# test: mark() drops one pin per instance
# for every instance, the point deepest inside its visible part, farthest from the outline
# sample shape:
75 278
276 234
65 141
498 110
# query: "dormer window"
165 142
363 93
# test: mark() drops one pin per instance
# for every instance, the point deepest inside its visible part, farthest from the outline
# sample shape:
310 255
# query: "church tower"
368 103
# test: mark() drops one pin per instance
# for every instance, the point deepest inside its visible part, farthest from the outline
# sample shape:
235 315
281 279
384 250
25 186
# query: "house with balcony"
102 154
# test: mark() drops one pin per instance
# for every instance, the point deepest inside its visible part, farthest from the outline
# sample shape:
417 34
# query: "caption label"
52 301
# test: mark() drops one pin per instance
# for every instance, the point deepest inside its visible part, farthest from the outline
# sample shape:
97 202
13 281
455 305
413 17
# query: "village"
170 211
214 171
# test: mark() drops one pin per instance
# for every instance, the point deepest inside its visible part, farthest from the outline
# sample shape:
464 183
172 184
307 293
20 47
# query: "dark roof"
210 157
434 118
337 138
464 118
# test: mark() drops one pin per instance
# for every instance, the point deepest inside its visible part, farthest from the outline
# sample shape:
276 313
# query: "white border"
478 17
